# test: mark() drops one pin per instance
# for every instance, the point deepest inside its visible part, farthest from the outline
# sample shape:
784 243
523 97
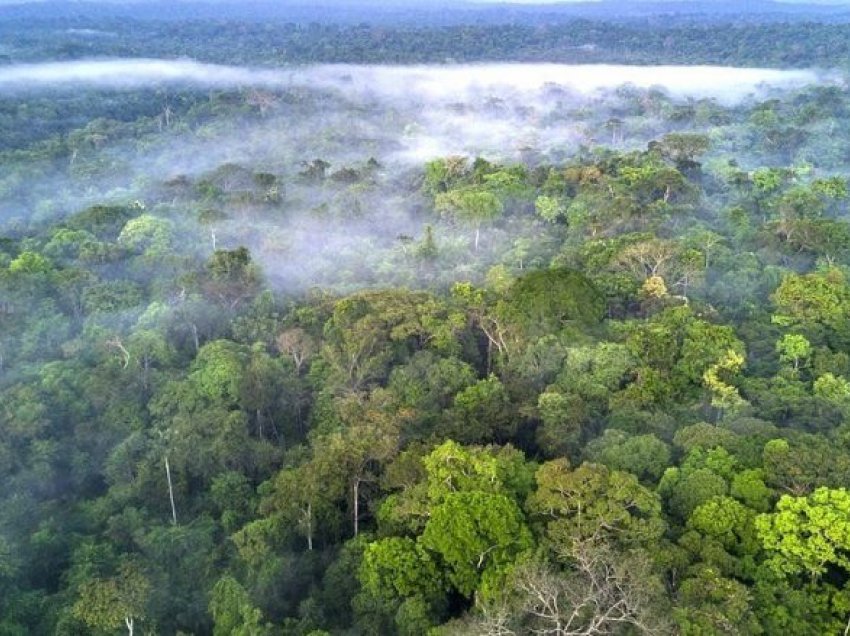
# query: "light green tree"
549 209
232 611
398 568
473 207
478 535
724 396
795 349
594 502
807 534
110 603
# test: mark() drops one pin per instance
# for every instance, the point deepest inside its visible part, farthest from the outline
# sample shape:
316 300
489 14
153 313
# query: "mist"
346 115
726 84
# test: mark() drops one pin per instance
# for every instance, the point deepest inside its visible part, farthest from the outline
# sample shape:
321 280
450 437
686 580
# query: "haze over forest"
371 318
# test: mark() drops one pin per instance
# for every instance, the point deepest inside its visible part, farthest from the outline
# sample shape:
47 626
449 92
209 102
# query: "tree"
686 489
592 501
473 207
481 412
444 174
721 533
803 463
398 568
807 534
428 384
498 470
550 209
749 488
349 461
645 456
466 514
563 418
298 344
710 603
794 348
545 301
30 263
682 148
305 499
232 611
478 535
218 369
811 300
232 277
724 396
601 592
369 330
109 603
148 235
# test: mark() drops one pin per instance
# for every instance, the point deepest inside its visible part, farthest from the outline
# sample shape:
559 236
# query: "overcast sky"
420 3
402 3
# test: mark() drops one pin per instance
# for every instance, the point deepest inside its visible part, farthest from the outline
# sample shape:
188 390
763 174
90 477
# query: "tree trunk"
477 236
356 494
310 527
146 366
195 337
170 493
128 621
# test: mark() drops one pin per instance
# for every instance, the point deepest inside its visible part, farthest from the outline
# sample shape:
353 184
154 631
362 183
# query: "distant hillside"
434 14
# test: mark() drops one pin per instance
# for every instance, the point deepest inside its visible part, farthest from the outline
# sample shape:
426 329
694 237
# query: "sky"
440 5
402 3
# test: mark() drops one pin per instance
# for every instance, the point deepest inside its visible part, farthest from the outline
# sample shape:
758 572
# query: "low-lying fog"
420 112
345 115
428 82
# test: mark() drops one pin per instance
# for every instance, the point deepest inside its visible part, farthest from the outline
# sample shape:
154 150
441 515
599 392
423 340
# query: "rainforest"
411 320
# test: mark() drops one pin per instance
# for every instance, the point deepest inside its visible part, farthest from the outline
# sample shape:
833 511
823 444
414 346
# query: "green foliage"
721 532
232 611
308 342
592 501
749 488
453 468
686 490
812 299
399 568
549 208
794 348
30 263
111 603
472 207
562 419
546 301
807 534
104 221
217 371
481 412
713 604
478 535
645 456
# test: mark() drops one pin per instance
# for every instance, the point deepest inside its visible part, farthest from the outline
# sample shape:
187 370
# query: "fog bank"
347 145
406 82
